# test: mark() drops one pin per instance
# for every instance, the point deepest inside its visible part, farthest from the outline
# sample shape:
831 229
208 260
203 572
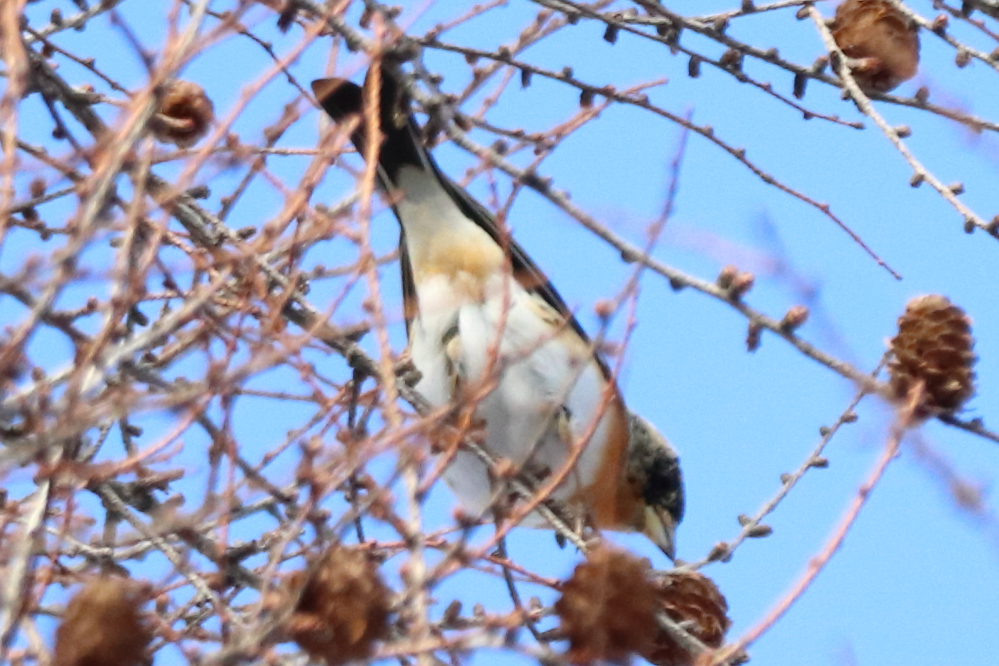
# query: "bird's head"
653 467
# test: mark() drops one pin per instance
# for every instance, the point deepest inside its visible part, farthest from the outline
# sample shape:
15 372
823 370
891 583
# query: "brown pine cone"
343 608
103 625
607 609
878 35
933 346
185 114
691 599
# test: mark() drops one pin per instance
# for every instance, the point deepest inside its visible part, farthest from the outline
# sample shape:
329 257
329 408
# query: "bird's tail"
397 130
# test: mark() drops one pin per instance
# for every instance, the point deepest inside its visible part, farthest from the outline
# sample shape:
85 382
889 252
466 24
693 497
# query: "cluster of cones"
608 611
338 609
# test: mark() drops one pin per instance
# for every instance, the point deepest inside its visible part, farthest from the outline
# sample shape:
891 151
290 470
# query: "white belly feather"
462 280
538 378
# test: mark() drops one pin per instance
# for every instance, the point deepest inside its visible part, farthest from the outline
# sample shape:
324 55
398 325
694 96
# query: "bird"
483 319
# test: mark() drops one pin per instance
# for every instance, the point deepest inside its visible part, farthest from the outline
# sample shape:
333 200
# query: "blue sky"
917 579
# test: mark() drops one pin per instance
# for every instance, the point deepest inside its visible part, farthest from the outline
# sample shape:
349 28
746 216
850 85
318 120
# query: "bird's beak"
660 529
